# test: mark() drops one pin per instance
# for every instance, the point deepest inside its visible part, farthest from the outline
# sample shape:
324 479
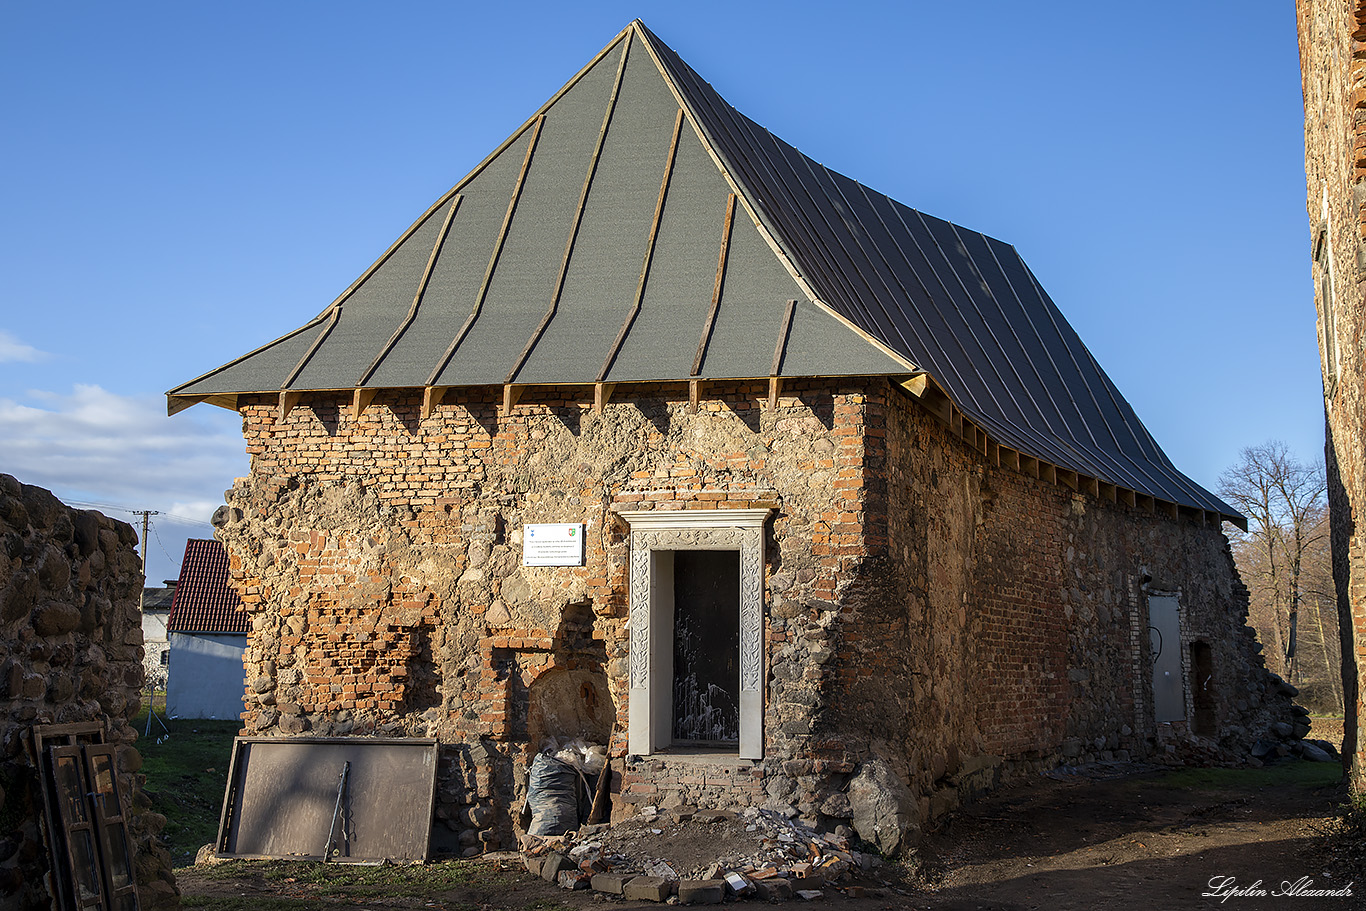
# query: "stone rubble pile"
1288 738
780 858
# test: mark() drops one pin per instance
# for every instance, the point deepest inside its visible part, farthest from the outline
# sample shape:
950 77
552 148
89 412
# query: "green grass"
301 884
245 903
187 772
1287 774
319 879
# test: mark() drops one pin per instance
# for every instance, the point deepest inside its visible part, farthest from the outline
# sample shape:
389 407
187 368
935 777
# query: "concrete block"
648 888
773 890
701 891
552 864
611 883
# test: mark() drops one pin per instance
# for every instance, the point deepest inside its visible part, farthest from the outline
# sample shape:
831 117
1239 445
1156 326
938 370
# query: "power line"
136 512
157 534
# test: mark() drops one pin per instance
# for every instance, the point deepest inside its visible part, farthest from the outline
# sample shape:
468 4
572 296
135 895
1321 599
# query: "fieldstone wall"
1332 36
933 622
70 651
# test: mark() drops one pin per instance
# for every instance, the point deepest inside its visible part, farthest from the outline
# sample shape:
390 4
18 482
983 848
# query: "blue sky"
185 181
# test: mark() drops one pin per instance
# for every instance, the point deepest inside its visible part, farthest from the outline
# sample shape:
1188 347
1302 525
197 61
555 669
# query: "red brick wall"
1332 39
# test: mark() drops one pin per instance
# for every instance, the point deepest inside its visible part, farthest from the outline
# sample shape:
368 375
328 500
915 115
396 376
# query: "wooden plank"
649 251
994 453
602 394
431 398
1109 492
493 258
917 385
783 333
716 288
1091 486
1146 503
1029 465
511 395
1010 458
1048 472
1168 509
384 257
317 343
360 400
1068 477
178 403
417 295
578 217
774 386
287 402
1127 496
934 399
694 395
225 400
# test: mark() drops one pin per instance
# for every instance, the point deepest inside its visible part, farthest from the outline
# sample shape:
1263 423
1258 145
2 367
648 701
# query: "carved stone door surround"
655 535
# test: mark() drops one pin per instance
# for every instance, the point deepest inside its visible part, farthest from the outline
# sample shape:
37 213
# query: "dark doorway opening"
706 684
1202 669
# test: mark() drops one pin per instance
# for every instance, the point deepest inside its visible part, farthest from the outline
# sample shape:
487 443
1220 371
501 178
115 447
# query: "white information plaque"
559 544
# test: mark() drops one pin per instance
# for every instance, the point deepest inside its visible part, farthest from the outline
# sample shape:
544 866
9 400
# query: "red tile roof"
204 601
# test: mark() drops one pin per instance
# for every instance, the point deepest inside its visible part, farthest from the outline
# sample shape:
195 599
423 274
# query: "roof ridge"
747 196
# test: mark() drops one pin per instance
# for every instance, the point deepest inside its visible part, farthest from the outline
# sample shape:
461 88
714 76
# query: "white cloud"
11 349
94 446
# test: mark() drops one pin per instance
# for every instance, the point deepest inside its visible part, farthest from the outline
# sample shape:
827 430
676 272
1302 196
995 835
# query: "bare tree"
1283 499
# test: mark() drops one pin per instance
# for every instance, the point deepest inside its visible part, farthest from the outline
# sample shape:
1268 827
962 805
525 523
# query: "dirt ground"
1106 840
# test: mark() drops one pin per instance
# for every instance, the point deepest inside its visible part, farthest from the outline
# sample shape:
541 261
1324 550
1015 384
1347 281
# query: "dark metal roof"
204 602
639 228
158 599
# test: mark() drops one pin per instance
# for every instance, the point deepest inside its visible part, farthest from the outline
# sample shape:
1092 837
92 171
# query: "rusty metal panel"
367 799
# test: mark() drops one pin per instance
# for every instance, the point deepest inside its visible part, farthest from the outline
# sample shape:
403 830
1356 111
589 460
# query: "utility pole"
146 514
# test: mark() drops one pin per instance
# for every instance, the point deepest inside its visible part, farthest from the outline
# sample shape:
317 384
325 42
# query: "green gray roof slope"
638 228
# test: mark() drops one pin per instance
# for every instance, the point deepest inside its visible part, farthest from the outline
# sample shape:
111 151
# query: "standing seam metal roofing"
587 223
1103 438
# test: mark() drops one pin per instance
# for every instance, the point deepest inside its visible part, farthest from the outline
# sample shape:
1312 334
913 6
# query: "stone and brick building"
849 509
1332 36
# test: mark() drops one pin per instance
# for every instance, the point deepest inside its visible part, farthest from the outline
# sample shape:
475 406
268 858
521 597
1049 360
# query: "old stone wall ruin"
1332 39
71 641
932 622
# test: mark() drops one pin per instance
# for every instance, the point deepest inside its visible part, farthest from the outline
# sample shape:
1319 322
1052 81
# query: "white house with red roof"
207 630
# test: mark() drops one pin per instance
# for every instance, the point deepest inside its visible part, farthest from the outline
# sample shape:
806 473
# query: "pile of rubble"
701 856
1289 737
